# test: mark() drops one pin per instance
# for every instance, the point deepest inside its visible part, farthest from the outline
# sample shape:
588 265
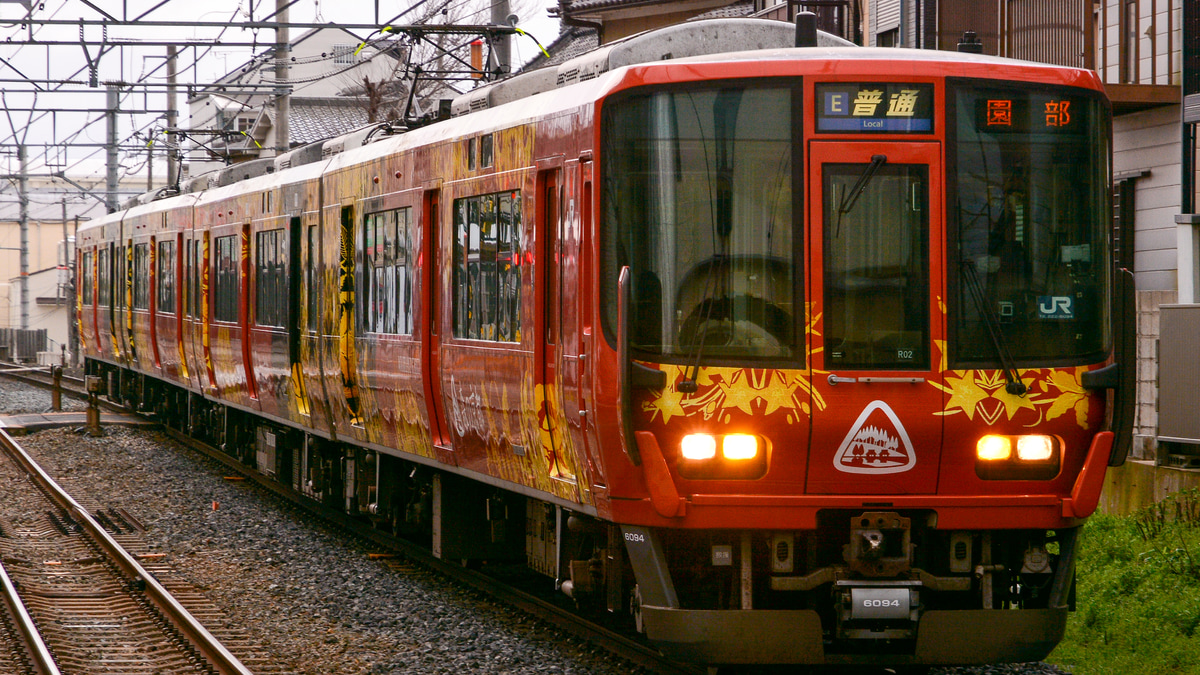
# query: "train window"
485 150
877 266
404 271
141 276
225 279
487 282
697 200
508 274
270 278
314 297
121 279
166 276
387 272
469 151
191 270
1028 223
89 277
104 280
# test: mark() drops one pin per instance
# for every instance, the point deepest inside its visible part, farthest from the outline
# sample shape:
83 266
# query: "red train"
796 354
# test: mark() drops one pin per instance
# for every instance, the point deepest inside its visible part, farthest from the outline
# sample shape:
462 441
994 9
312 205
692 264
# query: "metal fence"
22 346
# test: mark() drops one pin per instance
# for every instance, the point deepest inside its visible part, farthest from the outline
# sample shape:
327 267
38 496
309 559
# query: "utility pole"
72 322
23 196
282 101
172 120
111 115
64 265
502 44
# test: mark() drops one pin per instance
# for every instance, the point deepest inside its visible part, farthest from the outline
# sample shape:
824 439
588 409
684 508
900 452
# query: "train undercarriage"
877 586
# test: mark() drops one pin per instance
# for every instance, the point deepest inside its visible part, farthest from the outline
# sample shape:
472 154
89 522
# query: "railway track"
100 600
620 645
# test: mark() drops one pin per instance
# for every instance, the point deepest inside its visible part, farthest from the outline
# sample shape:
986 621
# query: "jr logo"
1056 307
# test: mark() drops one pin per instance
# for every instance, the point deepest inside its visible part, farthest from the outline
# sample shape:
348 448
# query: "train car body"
798 354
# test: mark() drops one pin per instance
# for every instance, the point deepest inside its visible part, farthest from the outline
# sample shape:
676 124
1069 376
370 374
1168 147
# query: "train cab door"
875 223
548 394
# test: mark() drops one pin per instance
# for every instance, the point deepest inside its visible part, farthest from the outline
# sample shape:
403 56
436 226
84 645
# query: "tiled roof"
735 11
316 119
571 42
583 5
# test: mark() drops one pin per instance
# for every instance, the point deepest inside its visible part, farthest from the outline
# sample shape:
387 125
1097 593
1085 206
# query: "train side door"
430 321
548 395
295 282
875 222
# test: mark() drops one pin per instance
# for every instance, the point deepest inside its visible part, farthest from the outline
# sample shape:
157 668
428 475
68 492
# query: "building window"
388 273
166 276
487 271
888 38
141 276
270 278
225 281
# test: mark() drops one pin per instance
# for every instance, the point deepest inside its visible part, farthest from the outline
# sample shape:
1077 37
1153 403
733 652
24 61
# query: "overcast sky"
145 63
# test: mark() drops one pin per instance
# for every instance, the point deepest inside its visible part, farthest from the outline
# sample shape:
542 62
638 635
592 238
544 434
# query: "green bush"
1138 593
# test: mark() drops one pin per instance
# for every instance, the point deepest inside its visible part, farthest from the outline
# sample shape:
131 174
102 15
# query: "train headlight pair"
722 456
1023 457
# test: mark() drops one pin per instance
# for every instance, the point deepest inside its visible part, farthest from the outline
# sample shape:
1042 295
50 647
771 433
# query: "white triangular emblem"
877 443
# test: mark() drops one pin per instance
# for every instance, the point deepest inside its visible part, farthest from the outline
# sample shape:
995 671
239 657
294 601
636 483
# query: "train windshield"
698 203
1029 213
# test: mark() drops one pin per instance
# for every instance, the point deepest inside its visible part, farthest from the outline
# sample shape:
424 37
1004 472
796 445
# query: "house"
330 71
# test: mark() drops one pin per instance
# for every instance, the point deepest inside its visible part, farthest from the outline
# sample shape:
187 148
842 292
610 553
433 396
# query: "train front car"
853 299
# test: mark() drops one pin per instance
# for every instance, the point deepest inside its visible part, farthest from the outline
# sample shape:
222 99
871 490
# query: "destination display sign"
863 107
1041 113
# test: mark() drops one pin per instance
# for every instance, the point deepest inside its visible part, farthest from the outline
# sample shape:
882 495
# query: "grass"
1138 589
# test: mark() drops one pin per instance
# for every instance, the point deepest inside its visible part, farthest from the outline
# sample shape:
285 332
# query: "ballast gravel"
18 398
319 602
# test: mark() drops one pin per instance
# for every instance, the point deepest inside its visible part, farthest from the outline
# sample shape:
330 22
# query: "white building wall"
1149 140
884 16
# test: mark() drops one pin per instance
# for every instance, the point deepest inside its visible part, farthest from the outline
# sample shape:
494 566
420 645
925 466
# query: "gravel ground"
21 398
318 602
314 600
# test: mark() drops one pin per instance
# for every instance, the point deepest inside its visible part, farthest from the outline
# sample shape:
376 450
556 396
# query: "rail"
217 655
28 631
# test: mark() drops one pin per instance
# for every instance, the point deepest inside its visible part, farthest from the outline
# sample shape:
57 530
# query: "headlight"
992 448
1035 448
1037 457
742 456
739 446
698 447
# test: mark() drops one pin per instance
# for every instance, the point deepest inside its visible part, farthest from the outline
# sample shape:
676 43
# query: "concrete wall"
1138 484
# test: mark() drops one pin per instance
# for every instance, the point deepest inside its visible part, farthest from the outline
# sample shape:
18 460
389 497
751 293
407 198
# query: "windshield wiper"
1014 384
725 113
851 197
688 384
